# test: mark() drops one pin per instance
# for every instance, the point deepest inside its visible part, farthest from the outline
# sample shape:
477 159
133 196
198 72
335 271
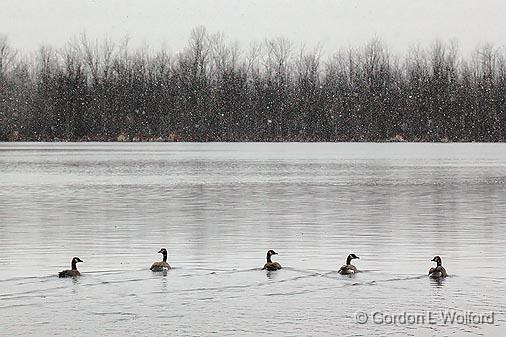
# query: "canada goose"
162 265
439 271
348 268
271 265
73 272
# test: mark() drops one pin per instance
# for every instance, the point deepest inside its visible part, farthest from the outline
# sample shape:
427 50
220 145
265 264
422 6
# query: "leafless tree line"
214 91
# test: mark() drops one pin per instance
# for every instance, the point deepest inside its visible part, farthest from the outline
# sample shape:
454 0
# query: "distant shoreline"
122 138
214 91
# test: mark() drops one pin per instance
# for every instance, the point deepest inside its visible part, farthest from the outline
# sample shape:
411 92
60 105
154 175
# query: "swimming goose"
271 265
439 271
348 268
73 272
162 265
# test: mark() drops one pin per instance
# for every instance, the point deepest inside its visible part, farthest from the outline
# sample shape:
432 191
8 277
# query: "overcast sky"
333 23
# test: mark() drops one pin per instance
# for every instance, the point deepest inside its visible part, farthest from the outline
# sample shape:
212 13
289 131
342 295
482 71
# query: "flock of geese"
348 269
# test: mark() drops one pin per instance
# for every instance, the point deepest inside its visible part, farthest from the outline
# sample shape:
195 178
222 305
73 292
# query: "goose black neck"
348 260
73 265
438 262
269 258
164 256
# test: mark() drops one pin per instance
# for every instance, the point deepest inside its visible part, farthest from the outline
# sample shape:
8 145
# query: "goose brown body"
72 272
162 265
348 268
439 271
269 265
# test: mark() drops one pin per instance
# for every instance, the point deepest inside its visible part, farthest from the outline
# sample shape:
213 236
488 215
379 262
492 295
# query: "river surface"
218 208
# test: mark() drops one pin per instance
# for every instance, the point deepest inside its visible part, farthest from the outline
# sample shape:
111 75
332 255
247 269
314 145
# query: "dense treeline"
214 91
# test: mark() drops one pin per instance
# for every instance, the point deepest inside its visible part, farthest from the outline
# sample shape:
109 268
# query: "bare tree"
7 56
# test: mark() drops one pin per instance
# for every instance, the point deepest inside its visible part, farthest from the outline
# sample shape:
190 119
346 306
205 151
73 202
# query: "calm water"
218 208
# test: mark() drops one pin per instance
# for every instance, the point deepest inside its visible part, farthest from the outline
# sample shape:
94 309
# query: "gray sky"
333 23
